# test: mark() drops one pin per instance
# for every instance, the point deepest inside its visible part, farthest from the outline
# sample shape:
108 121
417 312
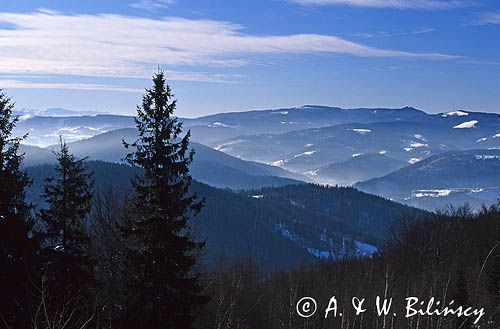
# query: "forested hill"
280 228
372 216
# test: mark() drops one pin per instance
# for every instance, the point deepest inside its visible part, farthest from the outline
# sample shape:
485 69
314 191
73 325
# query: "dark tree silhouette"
66 255
164 290
17 248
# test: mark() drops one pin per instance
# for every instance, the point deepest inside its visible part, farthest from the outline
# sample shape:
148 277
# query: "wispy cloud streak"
396 4
152 5
386 34
109 45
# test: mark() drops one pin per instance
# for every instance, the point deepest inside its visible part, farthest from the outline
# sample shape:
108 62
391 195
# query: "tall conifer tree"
17 248
164 291
66 253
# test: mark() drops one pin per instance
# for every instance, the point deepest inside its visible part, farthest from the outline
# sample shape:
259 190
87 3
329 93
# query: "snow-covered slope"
471 176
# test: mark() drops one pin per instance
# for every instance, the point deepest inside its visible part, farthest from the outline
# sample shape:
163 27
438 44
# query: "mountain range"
254 169
326 145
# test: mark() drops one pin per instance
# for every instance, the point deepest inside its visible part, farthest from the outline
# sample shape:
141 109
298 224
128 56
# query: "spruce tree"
66 252
164 291
17 247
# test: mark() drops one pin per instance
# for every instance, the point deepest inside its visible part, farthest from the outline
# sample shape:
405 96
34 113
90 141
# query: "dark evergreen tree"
17 248
66 253
164 291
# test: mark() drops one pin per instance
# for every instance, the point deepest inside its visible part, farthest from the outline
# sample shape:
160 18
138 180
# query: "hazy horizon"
81 112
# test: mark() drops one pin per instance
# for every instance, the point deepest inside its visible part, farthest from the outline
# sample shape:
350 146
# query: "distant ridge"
456 177
210 166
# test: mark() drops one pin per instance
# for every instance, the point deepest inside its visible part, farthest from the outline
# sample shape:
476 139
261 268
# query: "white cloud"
397 4
18 84
110 45
487 18
152 5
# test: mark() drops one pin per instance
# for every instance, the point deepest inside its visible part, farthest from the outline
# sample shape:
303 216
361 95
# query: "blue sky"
238 55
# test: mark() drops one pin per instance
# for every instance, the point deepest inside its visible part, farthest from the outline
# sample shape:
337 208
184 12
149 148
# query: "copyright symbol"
306 307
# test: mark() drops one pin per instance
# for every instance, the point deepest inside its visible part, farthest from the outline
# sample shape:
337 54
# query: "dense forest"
274 225
140 245
449 256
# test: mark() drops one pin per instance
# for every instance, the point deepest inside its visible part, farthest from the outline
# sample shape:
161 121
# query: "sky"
237 55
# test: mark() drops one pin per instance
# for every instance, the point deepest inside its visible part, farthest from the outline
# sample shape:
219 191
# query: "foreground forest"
87 258
449 256
453 255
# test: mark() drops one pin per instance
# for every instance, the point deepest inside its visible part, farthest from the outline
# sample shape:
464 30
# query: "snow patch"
280 163
277 163
286 233
486 157
417 144
361 249
308 153
365 249
225 145
361 131
432 193
455 113
486 138
467 125
420 137
219 125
